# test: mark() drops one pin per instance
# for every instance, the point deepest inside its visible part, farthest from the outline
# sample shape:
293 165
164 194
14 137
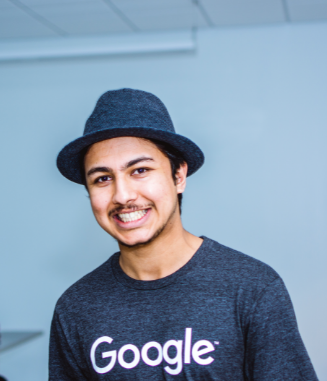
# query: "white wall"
253 98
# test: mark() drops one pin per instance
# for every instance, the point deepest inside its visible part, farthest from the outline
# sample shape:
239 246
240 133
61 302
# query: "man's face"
132 192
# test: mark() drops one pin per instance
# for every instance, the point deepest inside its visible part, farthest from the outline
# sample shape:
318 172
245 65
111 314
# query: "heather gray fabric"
223 316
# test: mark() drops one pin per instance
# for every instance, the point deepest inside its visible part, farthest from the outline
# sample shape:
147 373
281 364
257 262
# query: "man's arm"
63 364
274 348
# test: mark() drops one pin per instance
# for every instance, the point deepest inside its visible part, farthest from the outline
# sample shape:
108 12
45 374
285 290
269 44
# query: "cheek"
99 204
161 192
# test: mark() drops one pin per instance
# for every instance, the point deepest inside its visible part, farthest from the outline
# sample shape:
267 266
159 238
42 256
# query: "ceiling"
53 18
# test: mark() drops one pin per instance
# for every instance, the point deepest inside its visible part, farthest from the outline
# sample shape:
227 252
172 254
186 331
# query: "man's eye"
102 179
140 171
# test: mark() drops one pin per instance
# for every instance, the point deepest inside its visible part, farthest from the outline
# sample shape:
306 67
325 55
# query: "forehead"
121 149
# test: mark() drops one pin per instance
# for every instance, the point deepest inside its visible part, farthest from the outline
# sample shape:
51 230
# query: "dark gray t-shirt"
222 316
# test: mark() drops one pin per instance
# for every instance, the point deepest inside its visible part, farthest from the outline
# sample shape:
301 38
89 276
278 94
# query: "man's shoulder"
236 266
90 287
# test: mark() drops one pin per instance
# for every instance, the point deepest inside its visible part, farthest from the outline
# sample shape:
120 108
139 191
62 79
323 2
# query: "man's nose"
124 192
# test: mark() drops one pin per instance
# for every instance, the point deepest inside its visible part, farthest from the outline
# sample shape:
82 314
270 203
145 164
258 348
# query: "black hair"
176 159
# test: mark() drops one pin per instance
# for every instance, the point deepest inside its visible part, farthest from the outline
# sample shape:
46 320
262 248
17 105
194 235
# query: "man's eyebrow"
125 166
99 169
137 160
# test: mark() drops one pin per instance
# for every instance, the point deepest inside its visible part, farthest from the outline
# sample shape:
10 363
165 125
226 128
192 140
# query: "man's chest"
160 337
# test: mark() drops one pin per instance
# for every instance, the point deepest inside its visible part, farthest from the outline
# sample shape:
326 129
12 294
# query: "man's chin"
138 242
135 243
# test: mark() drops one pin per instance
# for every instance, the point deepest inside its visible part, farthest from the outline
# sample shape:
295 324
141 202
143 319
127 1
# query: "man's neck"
163 256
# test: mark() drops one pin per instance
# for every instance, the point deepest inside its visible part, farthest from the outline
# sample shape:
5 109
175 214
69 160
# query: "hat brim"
70 158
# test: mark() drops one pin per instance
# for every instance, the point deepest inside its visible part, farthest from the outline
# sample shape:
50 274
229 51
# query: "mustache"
129 208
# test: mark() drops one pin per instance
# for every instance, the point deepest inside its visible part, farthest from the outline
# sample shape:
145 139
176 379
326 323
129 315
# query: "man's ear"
181 174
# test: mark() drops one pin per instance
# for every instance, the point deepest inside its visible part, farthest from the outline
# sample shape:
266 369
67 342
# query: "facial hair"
156 233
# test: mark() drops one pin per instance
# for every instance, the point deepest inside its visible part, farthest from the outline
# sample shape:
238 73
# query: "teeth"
133 216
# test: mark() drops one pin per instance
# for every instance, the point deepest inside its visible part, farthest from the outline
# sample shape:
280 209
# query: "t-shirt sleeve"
63 359
274 348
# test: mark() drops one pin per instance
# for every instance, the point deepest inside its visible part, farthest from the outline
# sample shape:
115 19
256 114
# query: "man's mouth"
131 216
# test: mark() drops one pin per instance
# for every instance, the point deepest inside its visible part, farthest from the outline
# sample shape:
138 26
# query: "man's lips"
131 219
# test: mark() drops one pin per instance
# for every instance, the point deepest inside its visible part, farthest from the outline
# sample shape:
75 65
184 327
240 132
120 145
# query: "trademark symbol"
216 342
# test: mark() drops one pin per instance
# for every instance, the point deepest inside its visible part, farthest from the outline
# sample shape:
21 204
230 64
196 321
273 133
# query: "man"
169 305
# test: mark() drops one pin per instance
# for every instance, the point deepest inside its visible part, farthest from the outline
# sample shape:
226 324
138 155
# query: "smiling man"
169 305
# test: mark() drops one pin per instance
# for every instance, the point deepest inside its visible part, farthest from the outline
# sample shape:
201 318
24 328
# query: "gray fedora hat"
126 112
